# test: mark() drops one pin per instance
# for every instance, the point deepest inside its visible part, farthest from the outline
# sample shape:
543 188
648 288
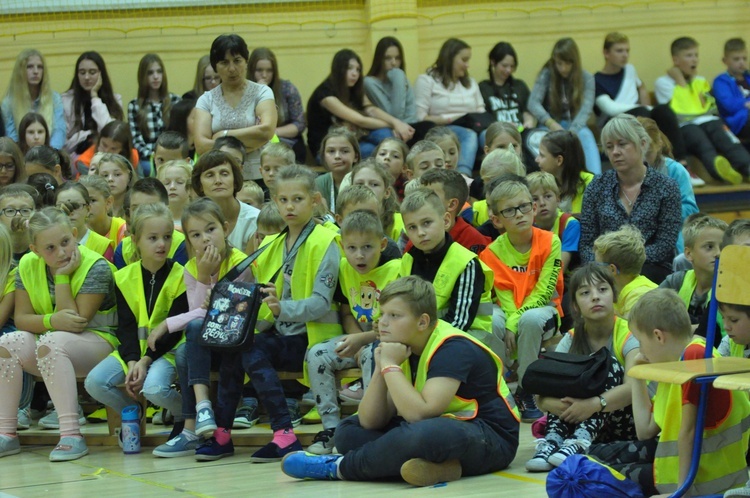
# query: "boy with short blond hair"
423 155
528 280
363 273
623 252
689 96
431 413
546 195
251 193
662 326
357 198
273 157
703 235
450 186
731 89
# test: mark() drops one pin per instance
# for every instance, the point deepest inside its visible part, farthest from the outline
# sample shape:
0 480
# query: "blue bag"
580 476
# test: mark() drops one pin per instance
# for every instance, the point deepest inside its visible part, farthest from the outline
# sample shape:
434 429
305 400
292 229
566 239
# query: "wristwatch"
603 402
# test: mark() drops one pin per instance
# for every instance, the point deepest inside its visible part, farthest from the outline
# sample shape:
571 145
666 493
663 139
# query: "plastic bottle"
131 429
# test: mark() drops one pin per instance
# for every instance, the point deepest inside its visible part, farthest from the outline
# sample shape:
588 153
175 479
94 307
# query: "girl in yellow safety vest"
65 294
573 424
148 291
73 199
100 221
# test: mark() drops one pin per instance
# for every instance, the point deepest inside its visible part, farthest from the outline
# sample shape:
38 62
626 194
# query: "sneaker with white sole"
205 423
352 395
246 415
9 445
695 180
50 421
294 412
24 419
538 462
322 443
177 447
69 448
568 448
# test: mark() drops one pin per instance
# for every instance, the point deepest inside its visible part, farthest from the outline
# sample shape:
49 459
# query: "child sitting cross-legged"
573 424
364 272
437 408
623 253
661 324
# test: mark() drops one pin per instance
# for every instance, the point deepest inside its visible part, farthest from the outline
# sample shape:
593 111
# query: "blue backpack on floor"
580 476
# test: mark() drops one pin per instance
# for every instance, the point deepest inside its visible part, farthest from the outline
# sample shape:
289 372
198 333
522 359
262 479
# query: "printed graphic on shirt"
506 109
364 301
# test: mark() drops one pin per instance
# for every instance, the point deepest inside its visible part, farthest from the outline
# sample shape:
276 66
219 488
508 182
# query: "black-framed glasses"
511 211
11 212
7 166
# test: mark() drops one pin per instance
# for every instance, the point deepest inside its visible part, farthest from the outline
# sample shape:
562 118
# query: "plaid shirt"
145 145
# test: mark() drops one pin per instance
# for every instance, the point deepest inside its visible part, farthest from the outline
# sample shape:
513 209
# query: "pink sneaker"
353 393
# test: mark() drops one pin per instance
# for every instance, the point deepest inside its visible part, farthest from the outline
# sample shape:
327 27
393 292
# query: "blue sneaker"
527 406
210 450
303 465
177 447
272 453
205 422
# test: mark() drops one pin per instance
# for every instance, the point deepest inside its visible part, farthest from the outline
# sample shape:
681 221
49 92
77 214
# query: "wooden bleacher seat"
735 382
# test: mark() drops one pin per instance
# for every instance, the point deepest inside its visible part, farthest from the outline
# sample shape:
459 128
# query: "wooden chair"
731 285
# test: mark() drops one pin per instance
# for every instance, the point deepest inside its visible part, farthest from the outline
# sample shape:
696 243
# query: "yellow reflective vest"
128 247
363 290
235 257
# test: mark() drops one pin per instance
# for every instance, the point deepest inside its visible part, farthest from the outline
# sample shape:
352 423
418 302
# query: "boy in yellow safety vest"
661 324
437 407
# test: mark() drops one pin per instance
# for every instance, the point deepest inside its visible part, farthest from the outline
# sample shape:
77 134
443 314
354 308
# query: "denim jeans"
377 454
369 142
198 368
469 145
101 383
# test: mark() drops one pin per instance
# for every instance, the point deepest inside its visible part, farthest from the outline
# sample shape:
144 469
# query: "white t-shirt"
247 224
226 117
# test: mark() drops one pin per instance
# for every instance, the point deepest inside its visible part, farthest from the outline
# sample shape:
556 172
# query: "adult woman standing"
205 79
237 107
30 90
388 88
632 193
89 103
446 93
263 68
563 99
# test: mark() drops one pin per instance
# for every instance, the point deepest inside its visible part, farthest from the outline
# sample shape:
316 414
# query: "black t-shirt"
460 359
608 84
507 102
319 119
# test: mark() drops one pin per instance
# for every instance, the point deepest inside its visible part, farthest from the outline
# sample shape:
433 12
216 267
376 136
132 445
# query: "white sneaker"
322 443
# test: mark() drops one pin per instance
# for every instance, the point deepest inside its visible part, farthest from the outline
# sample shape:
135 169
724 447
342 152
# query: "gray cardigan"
541 91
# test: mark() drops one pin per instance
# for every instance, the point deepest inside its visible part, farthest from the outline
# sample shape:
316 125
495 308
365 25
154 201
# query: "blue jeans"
588 143
469 146
101 383
369 142
198 371
377 454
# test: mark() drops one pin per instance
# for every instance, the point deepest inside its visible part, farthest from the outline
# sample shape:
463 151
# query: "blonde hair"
144 213
416 292
420 197
279 150
419 148
18 90
661 309
696 223
362 222
6 258
47 218
97 183
613 39
354 194
624 248
507 189
390 204
628 128
544 181
182 164
121 163
270 217
501 161
254 191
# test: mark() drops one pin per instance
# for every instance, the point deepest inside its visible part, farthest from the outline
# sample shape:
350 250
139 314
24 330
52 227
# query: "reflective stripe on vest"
33 271
362 290
722 464
130 282
451 268
459 408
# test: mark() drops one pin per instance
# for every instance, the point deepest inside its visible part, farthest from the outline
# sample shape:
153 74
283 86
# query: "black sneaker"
527 406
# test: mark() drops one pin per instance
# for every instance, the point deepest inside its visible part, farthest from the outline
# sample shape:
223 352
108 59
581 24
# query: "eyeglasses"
7 166
511 211
11 212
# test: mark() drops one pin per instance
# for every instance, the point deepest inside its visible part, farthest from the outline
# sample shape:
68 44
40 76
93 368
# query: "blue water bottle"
131 429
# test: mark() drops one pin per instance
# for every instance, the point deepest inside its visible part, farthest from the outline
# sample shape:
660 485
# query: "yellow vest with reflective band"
306 263
97 243
689 284
736 350
130 282
620 335
398 226
114 231
458 408
481 212
235 257
366 287
453 265
33 271
128 248
722 464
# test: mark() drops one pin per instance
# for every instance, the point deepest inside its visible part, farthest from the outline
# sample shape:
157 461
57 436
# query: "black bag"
477 121
567 374
233 309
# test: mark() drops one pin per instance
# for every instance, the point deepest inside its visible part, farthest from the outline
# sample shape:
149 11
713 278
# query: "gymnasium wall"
306 34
